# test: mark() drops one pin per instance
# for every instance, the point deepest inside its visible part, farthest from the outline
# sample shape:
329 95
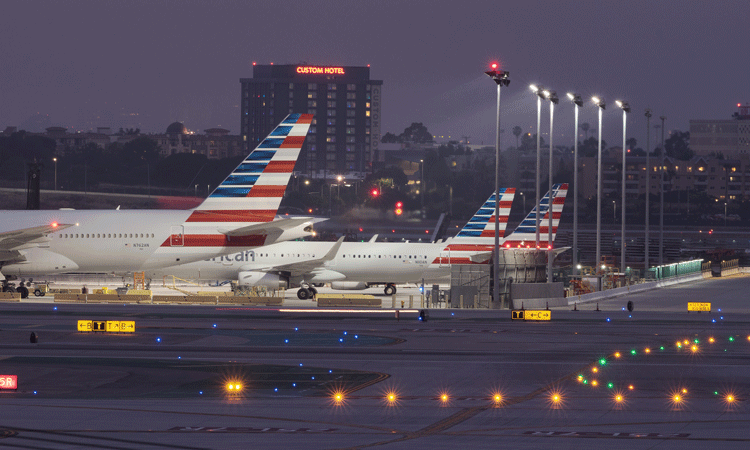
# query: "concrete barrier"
10 296
267 301
361 300
70 298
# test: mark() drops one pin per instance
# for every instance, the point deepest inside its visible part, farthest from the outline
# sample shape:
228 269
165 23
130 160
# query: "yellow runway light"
444 398
497 399
617 354
647 350
711 340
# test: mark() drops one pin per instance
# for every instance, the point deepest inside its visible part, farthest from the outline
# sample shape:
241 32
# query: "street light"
501 78
421 184
648 180
552 97
578 102
55 161
601 104
539 91
625 110
661 195
614 212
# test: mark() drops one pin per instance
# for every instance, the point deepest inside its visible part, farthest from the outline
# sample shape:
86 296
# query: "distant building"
730 137
345 132
216 143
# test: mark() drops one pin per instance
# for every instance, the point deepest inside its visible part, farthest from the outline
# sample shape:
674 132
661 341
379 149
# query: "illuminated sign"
8 381
113 326
528 314
695 306
320 70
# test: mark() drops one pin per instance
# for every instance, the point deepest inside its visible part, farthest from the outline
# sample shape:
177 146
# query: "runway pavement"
163 387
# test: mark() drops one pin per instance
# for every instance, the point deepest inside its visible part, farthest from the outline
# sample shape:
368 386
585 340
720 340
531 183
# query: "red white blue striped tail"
253 191
478 235
524 236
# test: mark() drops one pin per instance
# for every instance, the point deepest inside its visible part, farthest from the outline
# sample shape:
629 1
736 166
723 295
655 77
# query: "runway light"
631 387
580 378
647 350
338 398
594 383
497 399
555 399
391 398
594 369
694 348
686 342
729 398
684 391
617 354
619 398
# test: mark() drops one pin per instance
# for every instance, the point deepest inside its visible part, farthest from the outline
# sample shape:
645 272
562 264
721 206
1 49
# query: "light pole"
539 91
55 161
577 102
600 103
661 195
648 181
552 97
501 78
421 184
625 110
725 214
614 212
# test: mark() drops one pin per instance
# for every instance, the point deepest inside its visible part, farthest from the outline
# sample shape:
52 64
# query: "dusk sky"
85 64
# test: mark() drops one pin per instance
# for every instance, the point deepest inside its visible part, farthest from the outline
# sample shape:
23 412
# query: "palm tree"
517 133
585 127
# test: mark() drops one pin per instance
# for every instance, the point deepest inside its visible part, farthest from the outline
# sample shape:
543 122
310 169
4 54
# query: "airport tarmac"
164 386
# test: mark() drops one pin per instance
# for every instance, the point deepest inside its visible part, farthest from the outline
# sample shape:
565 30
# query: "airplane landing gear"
390 289
306 292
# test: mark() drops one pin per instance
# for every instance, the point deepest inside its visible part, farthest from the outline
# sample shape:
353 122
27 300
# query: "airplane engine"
349 285
269 280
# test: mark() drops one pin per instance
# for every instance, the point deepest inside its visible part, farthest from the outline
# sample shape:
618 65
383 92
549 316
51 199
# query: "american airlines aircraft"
357 265
238 215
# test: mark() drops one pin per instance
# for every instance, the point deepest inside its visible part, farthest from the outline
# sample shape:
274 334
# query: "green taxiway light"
610 385
632 352
661 348
603 361
731 338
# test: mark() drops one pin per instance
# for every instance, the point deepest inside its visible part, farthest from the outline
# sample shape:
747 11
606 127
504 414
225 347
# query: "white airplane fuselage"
371 262
118 241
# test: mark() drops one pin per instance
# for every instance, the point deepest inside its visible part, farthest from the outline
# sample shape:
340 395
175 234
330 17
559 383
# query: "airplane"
238 215
358 265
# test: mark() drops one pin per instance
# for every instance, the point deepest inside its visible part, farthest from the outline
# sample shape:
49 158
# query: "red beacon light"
374 192
494 67
55 224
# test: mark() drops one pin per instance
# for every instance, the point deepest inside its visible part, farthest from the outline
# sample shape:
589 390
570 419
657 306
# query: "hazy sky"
84 64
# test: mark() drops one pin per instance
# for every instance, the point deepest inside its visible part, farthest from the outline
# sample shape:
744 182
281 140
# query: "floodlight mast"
601 105
577 102
501 78
625 110
539 91
552 97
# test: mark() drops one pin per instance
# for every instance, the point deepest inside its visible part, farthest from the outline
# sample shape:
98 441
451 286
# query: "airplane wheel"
313 291
303 294
390 289
9 288
23 290
37 293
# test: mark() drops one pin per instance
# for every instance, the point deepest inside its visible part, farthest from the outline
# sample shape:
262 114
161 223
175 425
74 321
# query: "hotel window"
312 103
331 130
351 96
350 130
332 112
350 139
349 122
351 87
351 113
331 121
330 138
312 94
331 86
331 104
311 86
367 104
331 96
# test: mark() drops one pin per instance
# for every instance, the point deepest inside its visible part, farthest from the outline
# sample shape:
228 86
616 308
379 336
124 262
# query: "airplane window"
152 234
76 234
87 235
141 234
379 256
97 235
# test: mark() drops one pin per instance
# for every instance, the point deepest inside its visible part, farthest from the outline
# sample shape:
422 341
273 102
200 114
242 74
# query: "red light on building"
8 382
493 66
374 192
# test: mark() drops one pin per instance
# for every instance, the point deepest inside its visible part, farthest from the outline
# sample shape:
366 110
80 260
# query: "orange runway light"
631 387
617 354
684 391
497 399
444 398
391 398
594 383
647 350
594 369
338 398
712 340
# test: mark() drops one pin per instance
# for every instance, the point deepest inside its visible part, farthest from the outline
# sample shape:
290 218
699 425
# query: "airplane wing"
13 241
270 228
304 267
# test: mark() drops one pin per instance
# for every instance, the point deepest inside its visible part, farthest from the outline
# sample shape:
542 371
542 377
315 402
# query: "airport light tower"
501 78
648 183
578 102
601 104
625 110
552 97
539 91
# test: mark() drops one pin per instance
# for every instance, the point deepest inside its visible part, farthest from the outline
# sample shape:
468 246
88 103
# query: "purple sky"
146 64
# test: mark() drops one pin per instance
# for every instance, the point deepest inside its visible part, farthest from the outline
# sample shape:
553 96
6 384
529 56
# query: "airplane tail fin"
481 229
524 236
262 177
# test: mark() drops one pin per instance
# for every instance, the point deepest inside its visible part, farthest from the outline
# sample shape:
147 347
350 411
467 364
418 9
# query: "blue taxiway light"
200 392
158 339
214 325
330 371
34 392
313 378
296 329
344 333
356 336
608 319
341 339
286 341
55 308
179 357
294 384
276 389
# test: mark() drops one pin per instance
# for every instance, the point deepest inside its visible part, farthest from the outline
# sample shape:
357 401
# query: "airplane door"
445 258
177 236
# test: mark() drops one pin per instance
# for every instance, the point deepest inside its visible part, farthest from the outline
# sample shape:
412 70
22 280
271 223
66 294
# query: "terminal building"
345 131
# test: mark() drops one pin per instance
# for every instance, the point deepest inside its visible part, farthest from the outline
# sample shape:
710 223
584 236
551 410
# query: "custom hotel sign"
317 70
